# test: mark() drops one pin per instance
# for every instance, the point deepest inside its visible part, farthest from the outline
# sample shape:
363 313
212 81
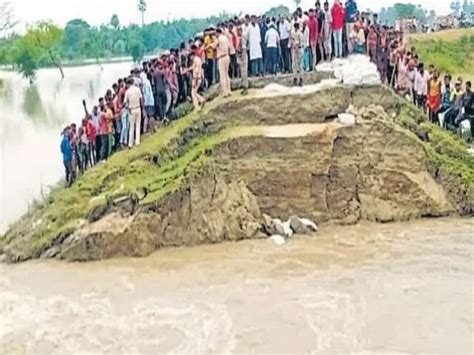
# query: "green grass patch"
451 53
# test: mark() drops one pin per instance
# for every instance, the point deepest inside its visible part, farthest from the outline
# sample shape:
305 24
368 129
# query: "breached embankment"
211 176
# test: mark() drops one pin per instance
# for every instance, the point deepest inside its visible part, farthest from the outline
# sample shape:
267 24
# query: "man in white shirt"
284 28
421 86
272 40
134 101
255 48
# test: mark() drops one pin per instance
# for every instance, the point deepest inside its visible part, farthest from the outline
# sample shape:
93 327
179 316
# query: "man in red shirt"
91 134
338 16
313 27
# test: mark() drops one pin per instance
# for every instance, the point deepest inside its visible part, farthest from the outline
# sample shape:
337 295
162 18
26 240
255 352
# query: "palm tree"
142 9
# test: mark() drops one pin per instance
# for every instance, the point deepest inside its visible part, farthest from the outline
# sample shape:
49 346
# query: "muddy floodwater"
398 288
31 120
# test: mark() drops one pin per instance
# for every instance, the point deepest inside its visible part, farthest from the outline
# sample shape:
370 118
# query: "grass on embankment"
125 173
450 51
444 149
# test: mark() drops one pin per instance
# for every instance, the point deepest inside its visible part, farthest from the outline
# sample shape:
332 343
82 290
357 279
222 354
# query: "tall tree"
297 3
45 37
76 36
455 6
465 7
278 11
404 10
115 22
7 20
94 49
26 58
142 9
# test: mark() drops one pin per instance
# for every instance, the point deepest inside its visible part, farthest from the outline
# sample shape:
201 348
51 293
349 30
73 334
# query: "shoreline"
84 62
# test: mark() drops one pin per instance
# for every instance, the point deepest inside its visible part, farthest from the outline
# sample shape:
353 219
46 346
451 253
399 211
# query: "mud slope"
209 177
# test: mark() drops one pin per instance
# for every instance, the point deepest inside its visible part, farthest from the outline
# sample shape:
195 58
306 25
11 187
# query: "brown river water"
395 288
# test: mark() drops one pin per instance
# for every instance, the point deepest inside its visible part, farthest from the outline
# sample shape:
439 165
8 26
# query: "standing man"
232 36
327 32
351 18
66 151
161 86
264 23
149 102
243 54
272 40
96 121
421 86
321 19
338 16
104 133
196 70
255 47
210 55
284 28
222 47
297 53
313 27
134 102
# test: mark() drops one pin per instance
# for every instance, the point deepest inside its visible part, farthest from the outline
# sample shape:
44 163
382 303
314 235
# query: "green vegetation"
79 41
391 14
449 159
450 153
450 51
278 11
39 43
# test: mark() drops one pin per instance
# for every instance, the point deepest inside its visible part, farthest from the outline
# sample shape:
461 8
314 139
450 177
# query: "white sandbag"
325 67
288 230
310 224
277 239
346 119
275 88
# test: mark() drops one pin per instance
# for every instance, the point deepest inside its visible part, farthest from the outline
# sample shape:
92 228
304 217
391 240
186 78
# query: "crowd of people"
444 103
254 46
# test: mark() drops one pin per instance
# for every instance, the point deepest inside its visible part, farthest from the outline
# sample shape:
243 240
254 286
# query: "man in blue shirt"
149 103
66 151
351 18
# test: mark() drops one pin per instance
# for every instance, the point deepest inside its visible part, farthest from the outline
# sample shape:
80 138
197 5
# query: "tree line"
45 44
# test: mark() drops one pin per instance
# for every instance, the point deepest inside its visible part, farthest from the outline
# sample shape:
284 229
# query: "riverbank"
220 171
87 62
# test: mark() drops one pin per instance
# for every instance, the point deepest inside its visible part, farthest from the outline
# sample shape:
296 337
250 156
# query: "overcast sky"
97 12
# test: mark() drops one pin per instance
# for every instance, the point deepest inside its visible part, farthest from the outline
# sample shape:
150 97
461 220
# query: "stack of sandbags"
279 231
